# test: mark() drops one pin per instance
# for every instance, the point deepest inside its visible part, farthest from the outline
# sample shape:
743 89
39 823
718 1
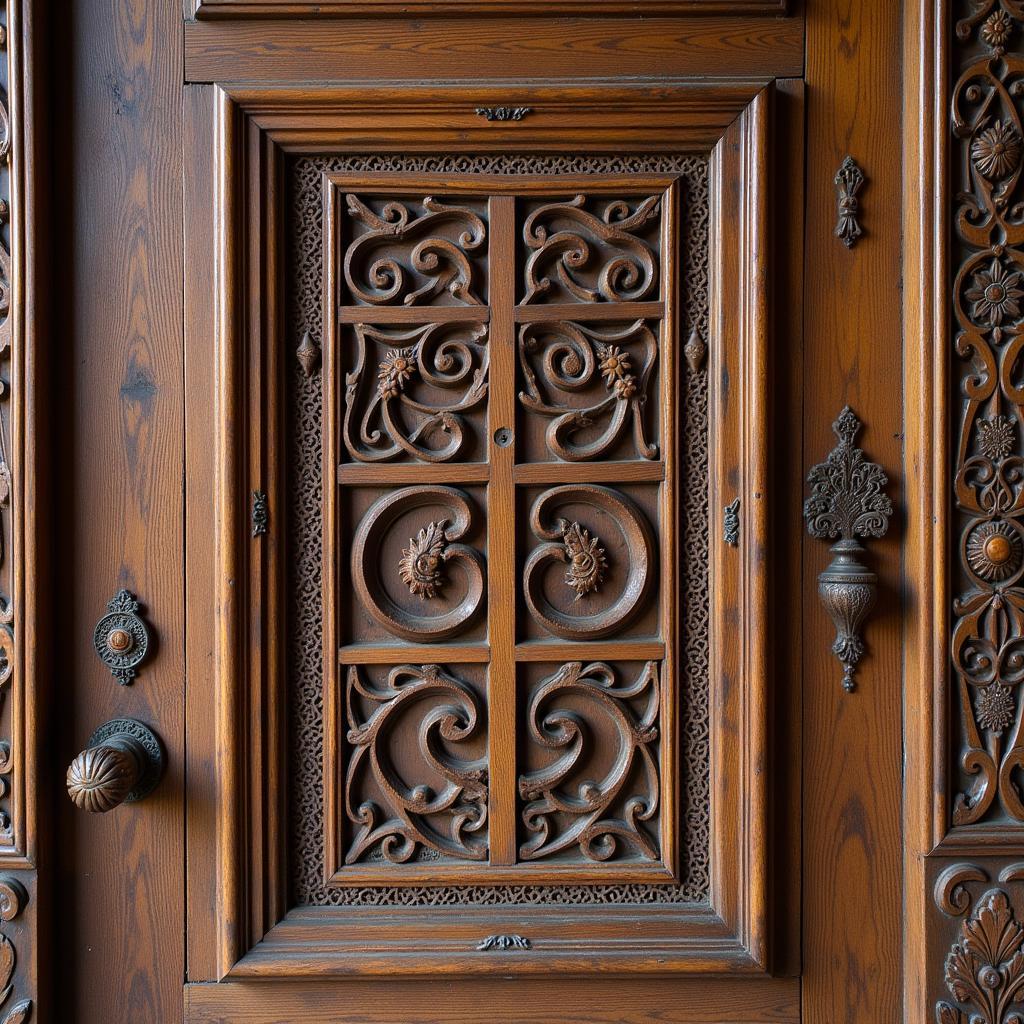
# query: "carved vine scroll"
593 257
565 806
560 364
443 810
395 402
988 631
413 258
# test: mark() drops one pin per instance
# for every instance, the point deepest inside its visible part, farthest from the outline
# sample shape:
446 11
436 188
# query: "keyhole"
503 437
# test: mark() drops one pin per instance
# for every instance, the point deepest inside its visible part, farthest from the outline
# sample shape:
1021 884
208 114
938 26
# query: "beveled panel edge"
239 880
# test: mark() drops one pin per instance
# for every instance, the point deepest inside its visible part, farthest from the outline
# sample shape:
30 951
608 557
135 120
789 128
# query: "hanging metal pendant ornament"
847 502
121 637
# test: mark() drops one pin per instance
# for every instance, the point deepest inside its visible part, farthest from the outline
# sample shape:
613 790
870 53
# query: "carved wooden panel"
988 626
510 536
413 542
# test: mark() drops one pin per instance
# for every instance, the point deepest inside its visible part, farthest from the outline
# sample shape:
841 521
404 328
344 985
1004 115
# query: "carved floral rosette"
988 224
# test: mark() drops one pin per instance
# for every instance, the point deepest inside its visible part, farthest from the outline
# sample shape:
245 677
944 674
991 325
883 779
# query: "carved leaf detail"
421 566
587 561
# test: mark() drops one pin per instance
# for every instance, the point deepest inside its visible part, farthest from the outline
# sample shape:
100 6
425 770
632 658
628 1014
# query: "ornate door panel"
494 507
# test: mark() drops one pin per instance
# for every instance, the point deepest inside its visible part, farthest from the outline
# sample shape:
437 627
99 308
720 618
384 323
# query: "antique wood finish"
852 742
117 431
377 8
26 865
508 51
474 1001
963 834
233 852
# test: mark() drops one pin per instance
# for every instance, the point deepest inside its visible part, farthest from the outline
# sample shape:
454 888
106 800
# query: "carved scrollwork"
984 971
402 257
443 811
572 358
13 897
988 632
594 257
455 615
398 407
638 543
565 807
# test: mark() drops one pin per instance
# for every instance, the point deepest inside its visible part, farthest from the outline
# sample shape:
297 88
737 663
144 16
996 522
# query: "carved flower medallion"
996 150
995 293
398 368
996 437
996 31
615 366
586 557
994 550
421 565
994 707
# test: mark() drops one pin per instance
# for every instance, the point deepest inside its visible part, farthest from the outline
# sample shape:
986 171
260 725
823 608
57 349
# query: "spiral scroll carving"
396 407
413 259
366 569
561 546
572 358
444 811
565 807
303 525
987 645
594 257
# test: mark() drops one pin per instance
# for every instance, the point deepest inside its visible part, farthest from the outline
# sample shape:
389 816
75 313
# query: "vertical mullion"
501 556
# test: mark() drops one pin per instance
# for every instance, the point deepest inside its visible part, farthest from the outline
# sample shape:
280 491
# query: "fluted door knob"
122 763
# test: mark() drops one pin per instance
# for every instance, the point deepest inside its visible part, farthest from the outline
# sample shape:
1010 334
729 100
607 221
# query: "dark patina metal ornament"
121 638
847 502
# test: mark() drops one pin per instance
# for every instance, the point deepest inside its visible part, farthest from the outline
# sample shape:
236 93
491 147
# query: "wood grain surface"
852 354
119 434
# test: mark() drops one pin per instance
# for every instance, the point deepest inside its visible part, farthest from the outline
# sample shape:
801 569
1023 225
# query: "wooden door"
469 360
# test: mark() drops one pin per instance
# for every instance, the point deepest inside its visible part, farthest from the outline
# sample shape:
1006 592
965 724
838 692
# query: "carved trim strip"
988 291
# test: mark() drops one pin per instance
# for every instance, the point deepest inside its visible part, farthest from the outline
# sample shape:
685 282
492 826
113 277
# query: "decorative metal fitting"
731 524
849 179
123 763
260 514
503 943
121 638
847 502
504 113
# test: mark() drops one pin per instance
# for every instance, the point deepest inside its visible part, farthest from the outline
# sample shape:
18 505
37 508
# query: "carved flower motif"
615 364
626 387
996 437
994 708
397 368
422 562
994 551
996 31
996 150
587 562
995 294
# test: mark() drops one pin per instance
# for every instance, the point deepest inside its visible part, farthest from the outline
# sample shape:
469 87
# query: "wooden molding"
224 9
504 50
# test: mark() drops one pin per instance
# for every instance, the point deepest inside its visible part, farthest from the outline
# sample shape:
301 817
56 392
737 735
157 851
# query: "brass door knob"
122 763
